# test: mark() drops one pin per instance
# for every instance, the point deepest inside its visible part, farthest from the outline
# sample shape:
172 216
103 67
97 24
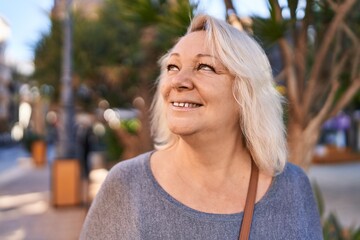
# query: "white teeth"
187 105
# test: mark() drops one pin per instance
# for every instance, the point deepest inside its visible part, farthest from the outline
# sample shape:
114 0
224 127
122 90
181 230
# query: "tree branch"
232 16
355 83
277 9
350 34
339 66
332 4
324 112
301 50
341 12
336 51
355 70
356 62
290 77
289 71
299 60
280 76
347 96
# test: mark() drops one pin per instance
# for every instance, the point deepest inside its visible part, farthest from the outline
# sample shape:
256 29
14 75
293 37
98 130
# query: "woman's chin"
182 130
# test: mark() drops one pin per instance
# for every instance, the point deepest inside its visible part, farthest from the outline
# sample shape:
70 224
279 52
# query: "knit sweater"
132 205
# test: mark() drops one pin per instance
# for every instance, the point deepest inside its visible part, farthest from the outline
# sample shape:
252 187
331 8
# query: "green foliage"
48 57
323 14
143 12
269 30
174 23
332 229
132 125
110 56
319 198
113 147
316 17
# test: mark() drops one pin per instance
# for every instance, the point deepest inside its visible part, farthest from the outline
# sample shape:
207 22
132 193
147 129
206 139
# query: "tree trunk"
141 142
302 143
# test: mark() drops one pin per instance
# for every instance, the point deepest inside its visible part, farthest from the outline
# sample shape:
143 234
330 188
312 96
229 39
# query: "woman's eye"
172 67
205 67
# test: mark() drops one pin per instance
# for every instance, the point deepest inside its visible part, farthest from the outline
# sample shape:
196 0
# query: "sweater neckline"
179 206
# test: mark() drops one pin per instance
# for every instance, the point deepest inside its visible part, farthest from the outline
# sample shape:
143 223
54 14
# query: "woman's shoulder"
130 168
294 177
130 164
292 171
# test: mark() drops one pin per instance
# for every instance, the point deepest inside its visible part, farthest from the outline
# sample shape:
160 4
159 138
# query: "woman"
217 118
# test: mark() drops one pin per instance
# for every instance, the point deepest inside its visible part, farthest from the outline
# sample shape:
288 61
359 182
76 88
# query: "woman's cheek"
164 89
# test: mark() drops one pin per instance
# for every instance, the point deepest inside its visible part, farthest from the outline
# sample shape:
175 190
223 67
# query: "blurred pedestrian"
84 141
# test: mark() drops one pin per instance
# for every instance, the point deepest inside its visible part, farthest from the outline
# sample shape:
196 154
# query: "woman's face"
197 89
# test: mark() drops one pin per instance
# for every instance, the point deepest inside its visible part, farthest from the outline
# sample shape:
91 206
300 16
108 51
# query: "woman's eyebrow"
174 54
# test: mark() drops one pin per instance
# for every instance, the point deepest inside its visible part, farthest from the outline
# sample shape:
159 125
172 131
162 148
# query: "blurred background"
77 80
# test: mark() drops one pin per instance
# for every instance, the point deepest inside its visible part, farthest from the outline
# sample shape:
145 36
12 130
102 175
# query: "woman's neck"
210 176
218 159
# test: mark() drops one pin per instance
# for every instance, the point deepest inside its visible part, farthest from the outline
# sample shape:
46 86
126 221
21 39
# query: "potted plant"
36 145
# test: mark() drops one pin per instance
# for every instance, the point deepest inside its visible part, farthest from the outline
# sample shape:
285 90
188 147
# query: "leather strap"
250 203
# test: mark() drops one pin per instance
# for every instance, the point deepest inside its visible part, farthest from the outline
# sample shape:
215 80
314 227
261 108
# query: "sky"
28 20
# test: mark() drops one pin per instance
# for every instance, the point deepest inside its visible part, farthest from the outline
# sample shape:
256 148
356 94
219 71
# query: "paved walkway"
26 212
25 209
340 187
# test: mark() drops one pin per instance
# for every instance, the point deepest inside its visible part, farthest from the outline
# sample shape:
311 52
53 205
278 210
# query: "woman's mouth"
186 104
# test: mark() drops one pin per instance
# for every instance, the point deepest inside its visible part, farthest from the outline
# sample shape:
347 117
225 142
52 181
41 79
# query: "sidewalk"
340 187
25 209
26 212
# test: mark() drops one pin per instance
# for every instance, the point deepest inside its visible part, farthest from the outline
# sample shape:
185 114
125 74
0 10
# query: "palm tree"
320 55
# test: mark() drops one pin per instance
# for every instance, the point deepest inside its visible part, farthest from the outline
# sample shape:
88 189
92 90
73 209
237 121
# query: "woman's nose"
183 80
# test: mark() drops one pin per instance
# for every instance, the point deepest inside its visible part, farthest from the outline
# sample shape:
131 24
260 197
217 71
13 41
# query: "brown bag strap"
250 203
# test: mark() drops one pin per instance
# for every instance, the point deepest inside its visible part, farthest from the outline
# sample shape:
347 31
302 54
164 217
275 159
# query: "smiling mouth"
186 104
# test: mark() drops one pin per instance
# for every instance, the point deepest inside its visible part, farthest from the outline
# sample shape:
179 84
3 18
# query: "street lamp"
5 74
66 168
66 145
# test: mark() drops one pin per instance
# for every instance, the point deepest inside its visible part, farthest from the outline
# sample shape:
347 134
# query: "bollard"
66 182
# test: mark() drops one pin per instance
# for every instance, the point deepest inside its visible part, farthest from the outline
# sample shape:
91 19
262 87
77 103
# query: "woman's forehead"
192 42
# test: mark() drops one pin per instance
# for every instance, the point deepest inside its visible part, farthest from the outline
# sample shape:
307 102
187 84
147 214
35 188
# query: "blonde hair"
259 102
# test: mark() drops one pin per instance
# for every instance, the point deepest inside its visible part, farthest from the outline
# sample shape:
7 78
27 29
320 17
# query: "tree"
115 55
320 54
153 27
48 57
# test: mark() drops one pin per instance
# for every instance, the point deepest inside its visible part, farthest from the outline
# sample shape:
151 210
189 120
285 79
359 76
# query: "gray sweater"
132 205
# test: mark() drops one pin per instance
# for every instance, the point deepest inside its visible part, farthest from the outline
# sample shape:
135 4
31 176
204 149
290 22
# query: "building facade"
5 76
